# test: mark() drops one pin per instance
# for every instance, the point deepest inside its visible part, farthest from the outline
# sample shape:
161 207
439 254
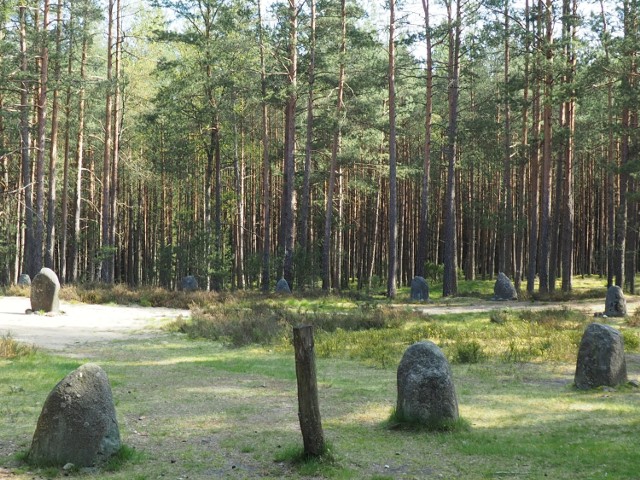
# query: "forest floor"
81 323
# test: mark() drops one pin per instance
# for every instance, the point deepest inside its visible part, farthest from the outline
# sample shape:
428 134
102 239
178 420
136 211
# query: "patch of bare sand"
81 323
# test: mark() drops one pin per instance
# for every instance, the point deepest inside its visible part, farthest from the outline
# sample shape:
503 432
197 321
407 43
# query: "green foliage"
469 352
631 340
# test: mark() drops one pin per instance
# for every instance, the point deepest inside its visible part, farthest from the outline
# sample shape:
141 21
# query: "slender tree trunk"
393 195
41 139
306 185
545 200
30 265
53 152
333 166
266 165
506 245
75 249
64 233
117 117
423 226
105 254
570 8
288 187
450 280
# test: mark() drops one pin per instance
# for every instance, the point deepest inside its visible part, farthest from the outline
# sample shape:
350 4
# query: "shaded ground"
80 323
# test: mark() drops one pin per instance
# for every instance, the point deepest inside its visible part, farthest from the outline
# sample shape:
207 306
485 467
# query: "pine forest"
338 144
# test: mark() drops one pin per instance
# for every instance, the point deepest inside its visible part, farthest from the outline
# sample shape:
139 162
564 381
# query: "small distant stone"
419 289
45 292
189 284
504 289
283 287
634 383
601 361
68 466
24 280
616 305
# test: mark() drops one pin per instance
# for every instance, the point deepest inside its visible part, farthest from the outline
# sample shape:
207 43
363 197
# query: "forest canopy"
334 143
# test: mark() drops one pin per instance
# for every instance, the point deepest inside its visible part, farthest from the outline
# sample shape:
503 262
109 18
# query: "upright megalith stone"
419 289
45 291
616 305
601 359
283 287
426 393
78 422
189 284
504 289
24 280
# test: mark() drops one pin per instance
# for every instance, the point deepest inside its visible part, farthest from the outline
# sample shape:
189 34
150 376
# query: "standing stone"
504 289
616 305
78 422
426 393
24 279
419 289
601 359
189 283
45 291
283 286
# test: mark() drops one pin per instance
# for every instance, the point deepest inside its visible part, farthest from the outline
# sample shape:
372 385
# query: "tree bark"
393 195
333 166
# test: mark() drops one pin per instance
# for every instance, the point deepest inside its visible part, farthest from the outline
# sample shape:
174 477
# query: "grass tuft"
399 421
122 457
11 348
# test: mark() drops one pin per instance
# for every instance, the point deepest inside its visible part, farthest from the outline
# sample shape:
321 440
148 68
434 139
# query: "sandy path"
80 323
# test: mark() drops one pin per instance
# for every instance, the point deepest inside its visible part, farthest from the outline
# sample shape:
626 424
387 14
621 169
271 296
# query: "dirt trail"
81 323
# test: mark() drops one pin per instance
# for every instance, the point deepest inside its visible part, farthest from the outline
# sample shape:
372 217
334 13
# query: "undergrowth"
11 348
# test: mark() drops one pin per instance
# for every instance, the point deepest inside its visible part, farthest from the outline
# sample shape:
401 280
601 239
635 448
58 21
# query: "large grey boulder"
426 393
419 289
45 291
24 280
283 286
601 360
504 289
616 305
78 422
189 283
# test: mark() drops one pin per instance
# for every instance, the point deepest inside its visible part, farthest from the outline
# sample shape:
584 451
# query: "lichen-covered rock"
504 289
426 393
78 422
283 286
45 291
615 304
189 283
601 360
24 280
419 289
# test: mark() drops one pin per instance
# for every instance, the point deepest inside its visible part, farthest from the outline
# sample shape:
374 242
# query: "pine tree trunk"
393 200
450 280
105 228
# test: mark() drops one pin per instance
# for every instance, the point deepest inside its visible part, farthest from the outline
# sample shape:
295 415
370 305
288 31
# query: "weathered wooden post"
308 407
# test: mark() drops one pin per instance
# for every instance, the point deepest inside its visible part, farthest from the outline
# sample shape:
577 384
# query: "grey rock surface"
504 289
419 289
78 421
189 283
601 360
45 292
282 286
24 279
426 392
615 304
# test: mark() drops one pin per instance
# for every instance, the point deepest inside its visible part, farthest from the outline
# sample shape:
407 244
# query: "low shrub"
631 340
469 352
